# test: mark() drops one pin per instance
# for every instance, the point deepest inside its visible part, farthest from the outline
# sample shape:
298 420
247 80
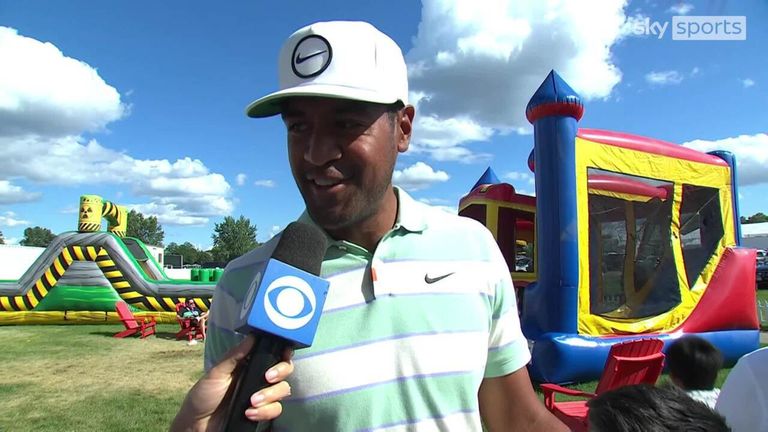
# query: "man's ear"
404 125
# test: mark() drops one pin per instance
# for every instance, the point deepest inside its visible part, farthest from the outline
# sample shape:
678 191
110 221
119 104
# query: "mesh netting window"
701 228
515 239
632 268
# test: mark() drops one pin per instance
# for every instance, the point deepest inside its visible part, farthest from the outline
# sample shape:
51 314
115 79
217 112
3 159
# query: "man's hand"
205 407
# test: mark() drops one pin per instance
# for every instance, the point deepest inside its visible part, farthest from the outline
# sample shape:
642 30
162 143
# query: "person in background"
193 317
645 408
693 366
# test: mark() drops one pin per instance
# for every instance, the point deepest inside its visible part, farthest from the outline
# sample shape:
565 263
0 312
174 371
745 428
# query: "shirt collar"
409 216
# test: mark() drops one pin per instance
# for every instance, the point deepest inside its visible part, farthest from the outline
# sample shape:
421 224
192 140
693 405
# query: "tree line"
755 218
231 238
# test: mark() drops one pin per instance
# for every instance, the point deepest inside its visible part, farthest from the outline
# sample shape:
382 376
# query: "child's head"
694 363
646 408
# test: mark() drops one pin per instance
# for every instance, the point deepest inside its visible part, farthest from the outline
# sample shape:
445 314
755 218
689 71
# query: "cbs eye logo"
289 302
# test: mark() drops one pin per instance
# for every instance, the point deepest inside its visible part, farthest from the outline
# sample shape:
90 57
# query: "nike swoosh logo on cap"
431 280
300 59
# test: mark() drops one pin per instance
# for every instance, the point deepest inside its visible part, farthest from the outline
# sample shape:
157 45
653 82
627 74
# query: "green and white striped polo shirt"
407 333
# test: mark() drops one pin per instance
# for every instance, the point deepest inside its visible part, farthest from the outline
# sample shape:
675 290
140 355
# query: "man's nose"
322 148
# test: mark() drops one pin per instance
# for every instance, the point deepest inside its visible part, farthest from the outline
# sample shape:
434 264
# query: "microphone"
283 307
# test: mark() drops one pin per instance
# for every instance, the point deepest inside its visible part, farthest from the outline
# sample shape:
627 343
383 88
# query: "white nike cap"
338 59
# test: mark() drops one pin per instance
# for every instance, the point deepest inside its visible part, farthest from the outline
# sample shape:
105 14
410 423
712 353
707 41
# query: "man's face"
342 155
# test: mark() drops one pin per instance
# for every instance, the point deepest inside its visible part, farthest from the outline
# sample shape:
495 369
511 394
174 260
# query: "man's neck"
369 232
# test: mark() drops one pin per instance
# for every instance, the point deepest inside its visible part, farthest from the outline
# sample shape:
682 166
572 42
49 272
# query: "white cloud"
445 139
635 26
478 66
168 213
240 179
681 8
519 177
747 83
44 92
418 176
664 77
751 157
182 192
9 219
442 204
265 183
12 194
48 100
531 192
208 184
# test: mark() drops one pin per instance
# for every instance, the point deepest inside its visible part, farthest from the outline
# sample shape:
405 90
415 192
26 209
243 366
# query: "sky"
142 102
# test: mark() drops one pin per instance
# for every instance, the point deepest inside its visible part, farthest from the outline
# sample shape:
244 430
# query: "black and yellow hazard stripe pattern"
56 270
88 227
46 283
124 288
115 215
135 298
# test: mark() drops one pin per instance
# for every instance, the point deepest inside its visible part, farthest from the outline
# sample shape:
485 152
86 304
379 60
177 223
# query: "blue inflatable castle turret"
554 110
488 178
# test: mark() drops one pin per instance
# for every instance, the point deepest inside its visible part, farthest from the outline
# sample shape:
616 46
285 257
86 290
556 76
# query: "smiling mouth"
326 182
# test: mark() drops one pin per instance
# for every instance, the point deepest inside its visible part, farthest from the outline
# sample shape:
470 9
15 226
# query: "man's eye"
296 127
348 124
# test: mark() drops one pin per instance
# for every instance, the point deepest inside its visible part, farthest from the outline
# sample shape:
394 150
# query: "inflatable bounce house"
80 275
633 237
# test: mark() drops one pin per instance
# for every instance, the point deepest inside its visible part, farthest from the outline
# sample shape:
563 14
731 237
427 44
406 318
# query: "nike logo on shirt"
431 280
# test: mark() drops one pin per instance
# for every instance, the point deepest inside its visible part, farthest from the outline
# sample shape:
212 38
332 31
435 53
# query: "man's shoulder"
440 219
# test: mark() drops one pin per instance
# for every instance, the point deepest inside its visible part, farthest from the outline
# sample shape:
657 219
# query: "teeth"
326 182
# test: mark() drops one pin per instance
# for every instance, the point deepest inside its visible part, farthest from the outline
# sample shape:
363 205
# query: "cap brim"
271 104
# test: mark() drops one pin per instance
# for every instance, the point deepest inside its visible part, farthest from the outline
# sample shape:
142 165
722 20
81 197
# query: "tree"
146 229
189 253
37 236
755 218
204 257
233 238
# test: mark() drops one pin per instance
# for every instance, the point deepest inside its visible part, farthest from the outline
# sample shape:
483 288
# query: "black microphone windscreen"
302 246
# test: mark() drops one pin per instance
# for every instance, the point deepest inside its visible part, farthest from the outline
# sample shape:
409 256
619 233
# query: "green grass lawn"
762 294
80 378
62 378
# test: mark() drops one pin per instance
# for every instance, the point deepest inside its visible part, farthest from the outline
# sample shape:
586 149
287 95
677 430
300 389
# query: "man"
420 328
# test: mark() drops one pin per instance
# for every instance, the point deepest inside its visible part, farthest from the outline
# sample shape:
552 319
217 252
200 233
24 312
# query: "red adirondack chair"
144 327
189 329
631 362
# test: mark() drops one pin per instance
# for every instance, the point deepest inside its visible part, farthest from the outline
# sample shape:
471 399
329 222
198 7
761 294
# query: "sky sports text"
695 28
